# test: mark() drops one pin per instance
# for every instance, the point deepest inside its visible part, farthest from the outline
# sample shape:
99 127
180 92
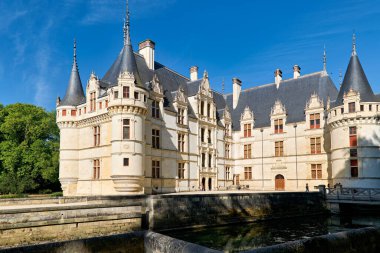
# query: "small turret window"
92 102
247 130
64 112
315 121
278 126
73 112
126 129
126 92
137 95
351 107
116 94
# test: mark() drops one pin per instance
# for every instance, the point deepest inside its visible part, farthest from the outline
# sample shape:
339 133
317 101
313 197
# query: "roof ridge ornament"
75 65
354 44
126 27
324 59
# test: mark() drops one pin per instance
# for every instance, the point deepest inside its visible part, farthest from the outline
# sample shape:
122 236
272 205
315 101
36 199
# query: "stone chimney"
236 87
277 77
296 71
193 73
146 49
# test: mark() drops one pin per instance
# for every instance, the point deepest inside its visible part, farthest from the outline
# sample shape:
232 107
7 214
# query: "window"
181 170
203 160
247 130
227 150
106 103
73 112
208 110
80 112
351 107
353 152
96 169
92 102
209 160
181 142
155 169
136 95
228 171
354 167
155 138
85 109
96 136
202 107
155 109
315 121
116 94
315 145
100 105
248 173
370 107
279 148
181 116
202 134
342 110
278 126
316 171
126 129
209 136
126 92
64 112
353 137
126 161
361 108
247 151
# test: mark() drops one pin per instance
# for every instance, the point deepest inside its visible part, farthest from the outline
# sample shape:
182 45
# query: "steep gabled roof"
293 93
74 93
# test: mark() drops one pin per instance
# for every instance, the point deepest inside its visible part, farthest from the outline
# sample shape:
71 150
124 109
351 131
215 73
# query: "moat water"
242 237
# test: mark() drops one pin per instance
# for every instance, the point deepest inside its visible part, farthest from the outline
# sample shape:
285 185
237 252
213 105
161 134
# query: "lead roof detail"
74 93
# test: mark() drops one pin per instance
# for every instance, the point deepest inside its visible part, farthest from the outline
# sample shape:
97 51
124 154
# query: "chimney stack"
277 77
236 87
297 71
146 49
193 73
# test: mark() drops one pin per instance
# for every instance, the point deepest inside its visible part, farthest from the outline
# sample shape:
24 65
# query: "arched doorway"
203 183
279 183
209 184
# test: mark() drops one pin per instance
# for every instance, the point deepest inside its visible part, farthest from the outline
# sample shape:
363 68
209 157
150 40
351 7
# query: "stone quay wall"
31 224
179 211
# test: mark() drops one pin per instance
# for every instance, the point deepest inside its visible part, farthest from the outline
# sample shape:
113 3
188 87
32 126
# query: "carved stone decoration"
328 103
180 97
126 78
247 114
351 93
227 114
205 85
314 102
278 108
156 86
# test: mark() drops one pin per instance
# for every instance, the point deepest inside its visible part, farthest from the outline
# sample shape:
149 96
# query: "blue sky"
241 38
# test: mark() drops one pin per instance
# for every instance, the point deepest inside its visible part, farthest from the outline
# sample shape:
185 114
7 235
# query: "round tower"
67 122
354 127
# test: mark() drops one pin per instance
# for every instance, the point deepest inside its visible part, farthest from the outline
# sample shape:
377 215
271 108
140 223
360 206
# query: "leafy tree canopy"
29 149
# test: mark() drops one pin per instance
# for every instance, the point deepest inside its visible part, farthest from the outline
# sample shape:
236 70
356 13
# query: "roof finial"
324 59
340 77
75 65
223 86
127 38
353 43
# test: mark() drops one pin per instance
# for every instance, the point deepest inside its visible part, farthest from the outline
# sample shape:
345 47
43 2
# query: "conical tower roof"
356 80
126 61
74 93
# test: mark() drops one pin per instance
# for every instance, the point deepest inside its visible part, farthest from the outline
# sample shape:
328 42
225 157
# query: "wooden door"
279 183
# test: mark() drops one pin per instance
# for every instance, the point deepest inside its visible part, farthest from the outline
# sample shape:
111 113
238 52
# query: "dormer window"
208 110
227 130
181 116
278 126
202 107
136 95
315 120
247 130
92 101
351 107
126 92
155 109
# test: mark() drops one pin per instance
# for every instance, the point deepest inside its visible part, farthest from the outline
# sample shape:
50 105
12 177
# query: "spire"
127 38
74 93
324 59
355 79
353 43
126 61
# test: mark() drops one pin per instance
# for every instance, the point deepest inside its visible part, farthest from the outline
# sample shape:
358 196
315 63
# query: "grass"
13 196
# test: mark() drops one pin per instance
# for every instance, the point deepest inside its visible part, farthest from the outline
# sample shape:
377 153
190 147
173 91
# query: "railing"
353 194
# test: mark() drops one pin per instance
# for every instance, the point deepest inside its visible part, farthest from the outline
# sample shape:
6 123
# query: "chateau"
144 128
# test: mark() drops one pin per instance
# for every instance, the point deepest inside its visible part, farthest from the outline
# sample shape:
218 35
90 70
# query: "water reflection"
235 238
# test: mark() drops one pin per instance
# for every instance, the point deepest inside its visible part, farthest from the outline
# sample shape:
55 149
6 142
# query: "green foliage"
13 196
56 194
29 149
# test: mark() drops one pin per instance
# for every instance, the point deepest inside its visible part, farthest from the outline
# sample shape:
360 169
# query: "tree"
29 149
